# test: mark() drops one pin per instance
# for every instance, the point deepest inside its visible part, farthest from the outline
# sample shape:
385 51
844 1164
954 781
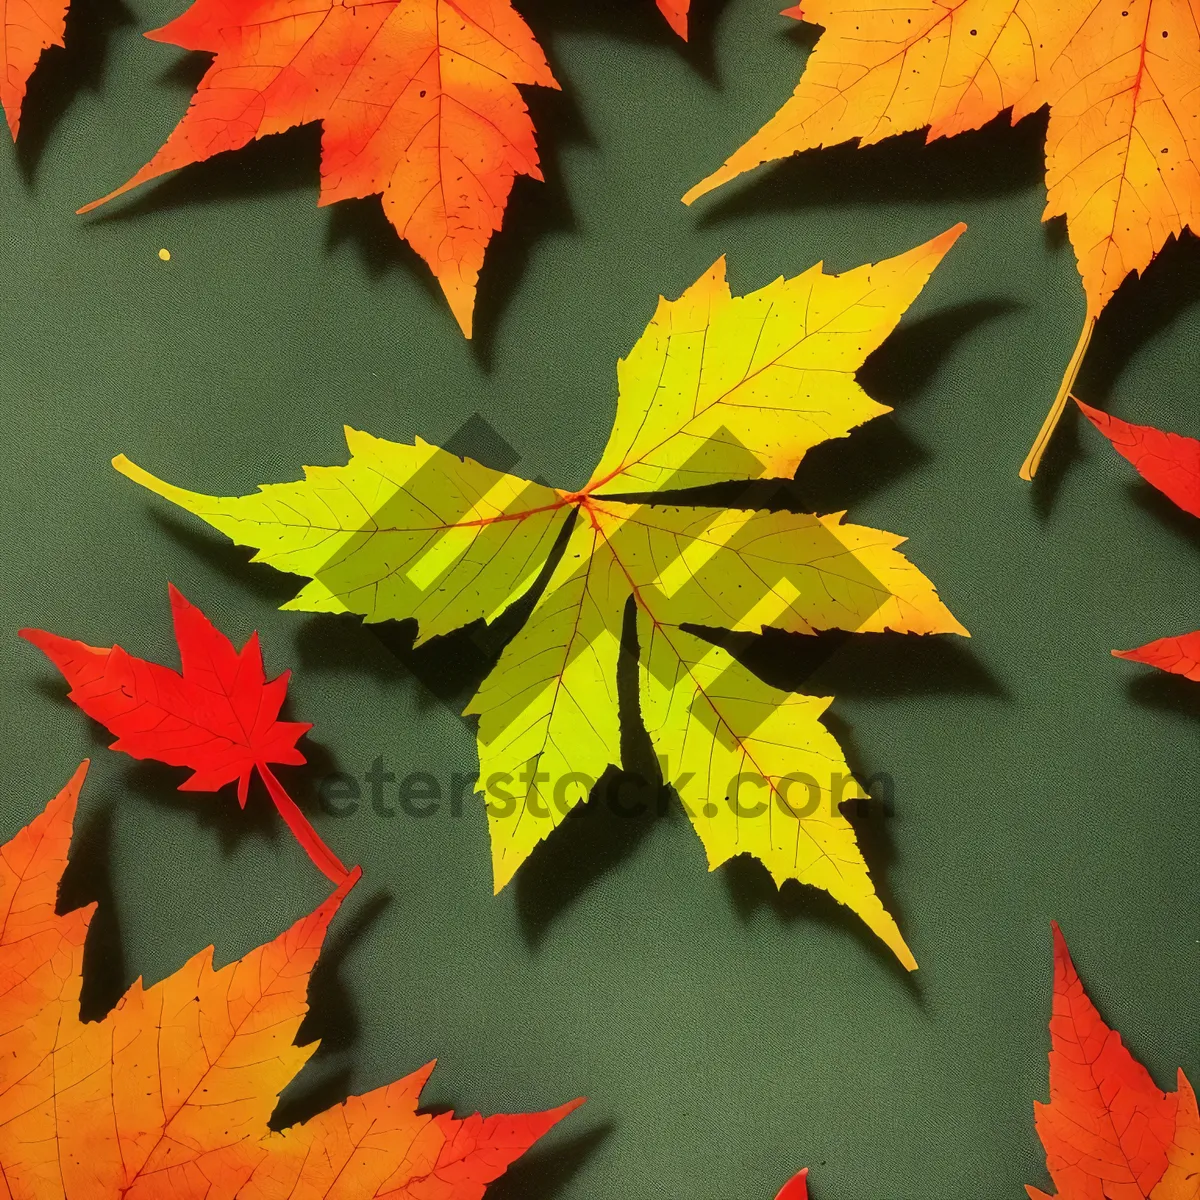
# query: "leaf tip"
554 1115
93 204
1062 956
796 1188
78 776
458 286
502 874
43 639
942 243
131 470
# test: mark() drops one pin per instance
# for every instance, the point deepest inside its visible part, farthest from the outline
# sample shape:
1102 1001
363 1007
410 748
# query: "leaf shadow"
545 1171
896 374
332 1019
219 812
1142 308
866 665
281 162
1165 692
996 160
231 561
86 880
598 835
56 689
846 664
900 369
632 22
1064 449
1152 502
751 889
63 72
537 212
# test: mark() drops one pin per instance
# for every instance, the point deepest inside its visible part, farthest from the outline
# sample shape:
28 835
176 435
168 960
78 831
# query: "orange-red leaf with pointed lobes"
676 12
218 715
27 28
1167 461
1178 655
418 102
171 1093
1119 76
796 1188
1108 1131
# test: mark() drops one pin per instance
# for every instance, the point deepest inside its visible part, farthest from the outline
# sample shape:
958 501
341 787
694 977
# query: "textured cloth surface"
725 1037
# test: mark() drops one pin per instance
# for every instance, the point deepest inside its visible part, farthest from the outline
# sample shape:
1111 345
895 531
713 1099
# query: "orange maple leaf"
170 1094
27 27
1108 1130
1120 77
417 100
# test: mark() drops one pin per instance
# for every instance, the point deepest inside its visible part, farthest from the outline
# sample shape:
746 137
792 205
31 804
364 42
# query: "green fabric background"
724 1036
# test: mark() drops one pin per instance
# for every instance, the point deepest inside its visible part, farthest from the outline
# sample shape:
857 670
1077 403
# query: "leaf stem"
323 858
1034 458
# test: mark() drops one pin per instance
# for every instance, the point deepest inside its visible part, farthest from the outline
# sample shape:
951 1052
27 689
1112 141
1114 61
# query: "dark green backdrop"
724 1037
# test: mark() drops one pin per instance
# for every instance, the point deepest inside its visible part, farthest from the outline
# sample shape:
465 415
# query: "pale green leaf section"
744 569
548 721
756 770
721 388
400 531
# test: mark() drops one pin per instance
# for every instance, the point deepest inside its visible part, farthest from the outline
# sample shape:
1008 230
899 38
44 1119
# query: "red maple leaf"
219 715
1171 463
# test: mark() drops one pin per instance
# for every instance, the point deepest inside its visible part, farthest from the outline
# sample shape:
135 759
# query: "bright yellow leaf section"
744 570
756 771
400 531
719 388
548 720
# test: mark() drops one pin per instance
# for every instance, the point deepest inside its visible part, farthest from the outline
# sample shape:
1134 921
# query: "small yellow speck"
165 254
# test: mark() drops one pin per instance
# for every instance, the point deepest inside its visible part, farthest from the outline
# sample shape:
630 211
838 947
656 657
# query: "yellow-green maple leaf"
718 388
